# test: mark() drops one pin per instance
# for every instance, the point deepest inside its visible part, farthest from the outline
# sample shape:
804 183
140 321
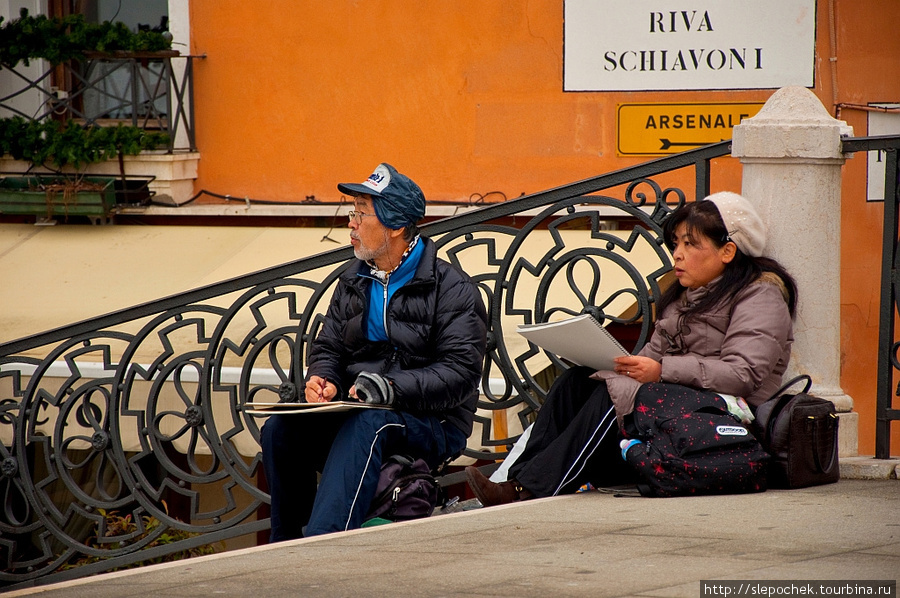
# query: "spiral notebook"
581 340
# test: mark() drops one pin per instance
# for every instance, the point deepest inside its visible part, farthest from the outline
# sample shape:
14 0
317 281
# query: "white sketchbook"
295 408
581 340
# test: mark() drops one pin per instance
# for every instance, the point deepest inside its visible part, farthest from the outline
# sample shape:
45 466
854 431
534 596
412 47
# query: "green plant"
51 143
118 525
60 39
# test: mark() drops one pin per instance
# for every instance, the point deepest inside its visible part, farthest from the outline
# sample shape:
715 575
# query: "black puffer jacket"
437 326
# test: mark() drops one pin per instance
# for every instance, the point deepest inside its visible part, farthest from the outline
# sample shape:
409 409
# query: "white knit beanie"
745 228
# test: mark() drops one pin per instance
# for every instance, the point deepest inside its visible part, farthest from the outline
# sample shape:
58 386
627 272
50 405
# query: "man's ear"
397 232
728 251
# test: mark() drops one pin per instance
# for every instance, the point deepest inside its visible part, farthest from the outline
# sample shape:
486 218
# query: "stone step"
869 468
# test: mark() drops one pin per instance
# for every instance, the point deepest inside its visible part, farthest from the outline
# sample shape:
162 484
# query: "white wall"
180 25
30 102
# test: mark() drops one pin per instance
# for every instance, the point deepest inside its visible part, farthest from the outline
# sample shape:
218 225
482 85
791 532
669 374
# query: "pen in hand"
317 390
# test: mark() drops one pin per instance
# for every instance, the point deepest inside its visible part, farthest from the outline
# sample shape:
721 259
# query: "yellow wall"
466 97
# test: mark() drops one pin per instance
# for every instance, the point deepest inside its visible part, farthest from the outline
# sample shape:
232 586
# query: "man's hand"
642 369
319 390
374 389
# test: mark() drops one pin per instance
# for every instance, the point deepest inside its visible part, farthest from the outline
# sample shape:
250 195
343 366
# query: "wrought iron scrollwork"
145 413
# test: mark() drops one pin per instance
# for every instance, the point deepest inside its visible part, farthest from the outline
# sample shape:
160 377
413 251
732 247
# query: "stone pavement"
590 544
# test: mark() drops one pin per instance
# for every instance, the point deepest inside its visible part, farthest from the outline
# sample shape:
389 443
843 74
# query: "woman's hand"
642 369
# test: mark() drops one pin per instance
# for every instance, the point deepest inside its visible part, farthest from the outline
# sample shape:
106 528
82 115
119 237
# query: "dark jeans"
575 439
348 449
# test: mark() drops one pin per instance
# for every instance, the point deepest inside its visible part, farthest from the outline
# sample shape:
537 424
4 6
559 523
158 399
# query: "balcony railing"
151 90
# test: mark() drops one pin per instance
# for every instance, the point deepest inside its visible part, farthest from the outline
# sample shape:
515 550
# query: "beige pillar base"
848 434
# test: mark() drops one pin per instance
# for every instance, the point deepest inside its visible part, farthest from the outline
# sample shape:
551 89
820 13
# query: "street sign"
655 45
654 129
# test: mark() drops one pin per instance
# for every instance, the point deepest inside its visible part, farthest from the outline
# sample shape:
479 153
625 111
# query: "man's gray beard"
370 255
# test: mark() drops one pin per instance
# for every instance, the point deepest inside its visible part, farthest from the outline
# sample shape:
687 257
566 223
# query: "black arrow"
666 144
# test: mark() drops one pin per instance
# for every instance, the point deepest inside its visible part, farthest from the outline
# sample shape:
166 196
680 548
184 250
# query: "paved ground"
590 544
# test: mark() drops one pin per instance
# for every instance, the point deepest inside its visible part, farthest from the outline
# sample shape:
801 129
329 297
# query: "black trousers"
348 449
575 439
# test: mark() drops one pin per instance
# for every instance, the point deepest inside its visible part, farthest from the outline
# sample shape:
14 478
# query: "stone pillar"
791 156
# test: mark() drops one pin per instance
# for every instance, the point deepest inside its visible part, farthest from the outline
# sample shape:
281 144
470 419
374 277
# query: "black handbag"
406 490
800 432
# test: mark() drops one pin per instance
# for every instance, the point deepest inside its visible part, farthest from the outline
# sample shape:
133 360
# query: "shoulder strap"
791 383
767 414
401 459
780 402
819 444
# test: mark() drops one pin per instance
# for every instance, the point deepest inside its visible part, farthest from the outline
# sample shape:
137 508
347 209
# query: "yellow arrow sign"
653 129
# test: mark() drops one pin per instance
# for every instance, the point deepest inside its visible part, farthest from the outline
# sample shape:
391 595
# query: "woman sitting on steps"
725 327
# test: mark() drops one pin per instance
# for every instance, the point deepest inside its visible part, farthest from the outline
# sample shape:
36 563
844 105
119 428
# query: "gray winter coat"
741 347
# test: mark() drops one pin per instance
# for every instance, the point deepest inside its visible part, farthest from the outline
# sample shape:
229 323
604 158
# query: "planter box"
22 196
172 175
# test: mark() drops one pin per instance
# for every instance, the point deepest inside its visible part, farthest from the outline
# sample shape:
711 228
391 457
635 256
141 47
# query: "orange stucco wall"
868 71
466 97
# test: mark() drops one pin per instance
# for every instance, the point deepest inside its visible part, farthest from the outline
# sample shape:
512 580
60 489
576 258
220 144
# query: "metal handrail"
143 411
698 158
888 364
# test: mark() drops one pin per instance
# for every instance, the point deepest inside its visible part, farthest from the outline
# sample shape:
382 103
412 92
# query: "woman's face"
697 260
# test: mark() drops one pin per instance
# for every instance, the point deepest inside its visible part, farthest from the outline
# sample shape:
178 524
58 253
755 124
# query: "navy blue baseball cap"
398 201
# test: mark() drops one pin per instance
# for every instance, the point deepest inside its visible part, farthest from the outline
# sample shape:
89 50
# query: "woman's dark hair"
703 218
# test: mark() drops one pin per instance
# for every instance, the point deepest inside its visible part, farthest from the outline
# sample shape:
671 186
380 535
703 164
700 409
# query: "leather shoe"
490 493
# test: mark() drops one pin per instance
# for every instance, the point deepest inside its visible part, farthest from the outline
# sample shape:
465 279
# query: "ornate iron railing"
150 90
141 412
888 346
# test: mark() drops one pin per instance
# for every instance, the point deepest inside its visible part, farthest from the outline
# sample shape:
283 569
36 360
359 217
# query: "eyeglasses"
357 215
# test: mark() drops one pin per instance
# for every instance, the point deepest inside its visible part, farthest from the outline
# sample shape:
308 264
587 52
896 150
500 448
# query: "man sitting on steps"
404 328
